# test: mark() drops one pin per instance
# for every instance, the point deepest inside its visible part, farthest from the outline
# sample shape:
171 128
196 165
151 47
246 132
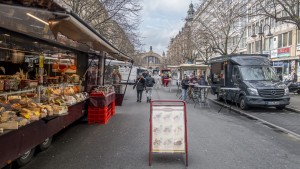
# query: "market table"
14 143
226 91
201 93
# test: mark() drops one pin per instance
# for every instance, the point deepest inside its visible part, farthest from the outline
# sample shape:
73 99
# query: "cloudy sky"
161 20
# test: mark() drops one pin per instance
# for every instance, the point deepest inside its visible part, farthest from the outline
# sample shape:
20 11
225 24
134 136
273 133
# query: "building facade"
180 49
256 34
150 60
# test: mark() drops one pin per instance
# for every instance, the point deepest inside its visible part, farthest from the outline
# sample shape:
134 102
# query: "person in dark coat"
295 77
202 81
185 86
140 85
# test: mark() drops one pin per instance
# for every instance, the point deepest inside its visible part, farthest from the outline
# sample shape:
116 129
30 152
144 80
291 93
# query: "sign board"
168 132
168 129
277 64
274 53
283 52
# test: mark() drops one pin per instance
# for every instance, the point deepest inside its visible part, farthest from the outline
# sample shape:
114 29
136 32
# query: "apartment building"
279 39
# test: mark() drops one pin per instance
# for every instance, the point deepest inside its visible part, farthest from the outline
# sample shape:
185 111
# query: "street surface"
224 140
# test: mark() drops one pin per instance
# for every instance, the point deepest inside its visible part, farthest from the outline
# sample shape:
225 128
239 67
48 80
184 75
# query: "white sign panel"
168 129
274 53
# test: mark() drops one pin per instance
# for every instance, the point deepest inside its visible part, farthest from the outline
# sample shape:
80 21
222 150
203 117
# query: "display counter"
14 143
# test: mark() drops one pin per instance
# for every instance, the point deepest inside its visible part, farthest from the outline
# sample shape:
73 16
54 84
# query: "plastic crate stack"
101 113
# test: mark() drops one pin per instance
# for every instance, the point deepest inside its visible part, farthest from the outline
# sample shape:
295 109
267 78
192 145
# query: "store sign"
277 64
283 52
274 53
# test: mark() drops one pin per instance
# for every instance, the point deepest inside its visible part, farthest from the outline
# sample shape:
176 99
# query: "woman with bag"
140 85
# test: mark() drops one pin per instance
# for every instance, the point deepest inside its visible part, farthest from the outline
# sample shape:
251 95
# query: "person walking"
149 85
185 86
140 86
295 77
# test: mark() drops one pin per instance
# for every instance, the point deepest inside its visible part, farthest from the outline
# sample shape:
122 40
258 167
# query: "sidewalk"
295 102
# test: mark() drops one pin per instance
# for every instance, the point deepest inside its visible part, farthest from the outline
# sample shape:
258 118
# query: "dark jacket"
184 84
202 81
150 81
295 77
140 84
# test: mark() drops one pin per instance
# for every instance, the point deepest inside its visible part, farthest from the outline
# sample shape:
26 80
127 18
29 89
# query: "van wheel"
243 103
280 107
46 144
26 157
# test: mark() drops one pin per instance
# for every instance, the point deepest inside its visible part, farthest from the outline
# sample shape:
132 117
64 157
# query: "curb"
292 109
284 130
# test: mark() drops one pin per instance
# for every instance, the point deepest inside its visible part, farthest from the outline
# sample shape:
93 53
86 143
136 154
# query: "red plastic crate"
98 115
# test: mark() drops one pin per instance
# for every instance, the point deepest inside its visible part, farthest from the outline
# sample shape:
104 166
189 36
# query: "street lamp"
261 34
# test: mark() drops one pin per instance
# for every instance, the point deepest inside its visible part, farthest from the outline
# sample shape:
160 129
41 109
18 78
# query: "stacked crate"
101 108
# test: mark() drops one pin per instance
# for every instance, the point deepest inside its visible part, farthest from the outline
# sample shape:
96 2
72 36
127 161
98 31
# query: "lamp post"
261 34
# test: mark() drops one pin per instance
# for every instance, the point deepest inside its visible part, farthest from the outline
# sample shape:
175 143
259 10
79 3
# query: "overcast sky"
161 20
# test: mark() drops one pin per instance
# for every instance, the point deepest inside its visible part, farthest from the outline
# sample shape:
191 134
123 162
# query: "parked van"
259 85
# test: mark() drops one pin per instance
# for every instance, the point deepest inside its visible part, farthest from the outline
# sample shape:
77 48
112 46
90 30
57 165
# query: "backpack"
150 82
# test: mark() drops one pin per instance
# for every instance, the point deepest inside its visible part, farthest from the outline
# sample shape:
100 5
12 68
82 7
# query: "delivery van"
254 76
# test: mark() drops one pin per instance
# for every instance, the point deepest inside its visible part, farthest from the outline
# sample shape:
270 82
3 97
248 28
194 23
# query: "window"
279 41
249 31
257 46
249 48
290 38
285 39
252 47
267 44
298 37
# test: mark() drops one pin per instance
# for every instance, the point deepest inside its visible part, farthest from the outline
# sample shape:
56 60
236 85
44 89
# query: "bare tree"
221 26
280 10
108 16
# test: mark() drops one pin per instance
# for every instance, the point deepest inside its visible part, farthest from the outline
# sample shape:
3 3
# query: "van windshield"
263 73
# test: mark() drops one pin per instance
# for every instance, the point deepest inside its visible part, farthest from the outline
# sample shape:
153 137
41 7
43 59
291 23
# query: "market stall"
118 74
46 74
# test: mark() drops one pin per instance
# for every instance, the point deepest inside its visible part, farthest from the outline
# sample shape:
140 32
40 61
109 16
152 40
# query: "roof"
189 66
235 57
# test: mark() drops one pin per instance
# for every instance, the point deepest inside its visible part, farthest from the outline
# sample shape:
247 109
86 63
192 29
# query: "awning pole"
128 79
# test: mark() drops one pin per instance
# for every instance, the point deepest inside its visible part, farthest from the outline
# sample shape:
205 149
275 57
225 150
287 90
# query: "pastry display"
19 108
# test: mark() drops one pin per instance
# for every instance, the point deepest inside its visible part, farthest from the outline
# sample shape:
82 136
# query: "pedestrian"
140 86
202 81
149 85
185 86
295 77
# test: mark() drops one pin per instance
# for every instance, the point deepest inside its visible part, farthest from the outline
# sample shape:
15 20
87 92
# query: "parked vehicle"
253 75
294 87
